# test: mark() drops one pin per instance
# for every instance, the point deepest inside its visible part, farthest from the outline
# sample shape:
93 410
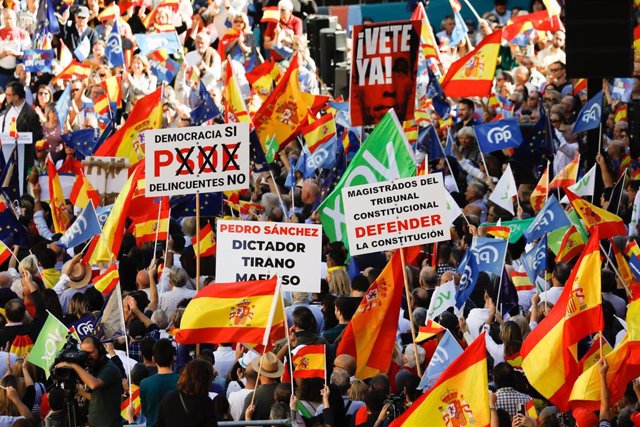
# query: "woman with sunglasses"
238 43
43 97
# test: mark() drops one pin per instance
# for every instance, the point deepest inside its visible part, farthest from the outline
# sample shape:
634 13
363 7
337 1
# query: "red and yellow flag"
76 70
623 266
540 193
371 333
567 176
428 43
235 110
459 396
309 362
232 312
126 142
108 243
56 199
472 75
270 14
148 20
107 281
283 110
101 105
499 231
21 345
521 280
113 88
263 77
623 361
572 245
83 191
431 329
5 252
608 224
549 353
149 226
13 128
134 400
319 131
621 113
207 241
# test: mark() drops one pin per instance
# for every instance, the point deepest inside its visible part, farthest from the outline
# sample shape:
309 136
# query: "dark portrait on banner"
383 71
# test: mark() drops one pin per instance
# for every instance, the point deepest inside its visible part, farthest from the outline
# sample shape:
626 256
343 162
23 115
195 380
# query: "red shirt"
294 24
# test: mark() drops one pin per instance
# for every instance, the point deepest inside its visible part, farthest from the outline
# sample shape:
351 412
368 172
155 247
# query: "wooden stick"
253 396
615 270
413 329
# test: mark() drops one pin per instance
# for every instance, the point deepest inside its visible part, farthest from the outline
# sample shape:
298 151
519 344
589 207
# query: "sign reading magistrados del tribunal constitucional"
186 160
393 214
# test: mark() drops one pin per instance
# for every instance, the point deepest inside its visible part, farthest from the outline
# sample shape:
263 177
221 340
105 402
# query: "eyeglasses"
553 70
547 99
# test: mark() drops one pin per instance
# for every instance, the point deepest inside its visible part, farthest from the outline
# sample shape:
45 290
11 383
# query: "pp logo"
591 114
465 279
317 158
546 219
499 134
113 43
486 255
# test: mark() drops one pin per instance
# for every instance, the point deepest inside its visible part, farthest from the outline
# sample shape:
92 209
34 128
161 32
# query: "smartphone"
522 409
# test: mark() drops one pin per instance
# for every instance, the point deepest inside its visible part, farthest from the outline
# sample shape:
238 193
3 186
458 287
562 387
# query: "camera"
66 378
397 406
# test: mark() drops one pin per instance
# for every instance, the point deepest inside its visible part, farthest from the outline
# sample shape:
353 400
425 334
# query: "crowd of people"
143 376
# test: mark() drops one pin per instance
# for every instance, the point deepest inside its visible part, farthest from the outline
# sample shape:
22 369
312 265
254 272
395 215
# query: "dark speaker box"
315 24
599 38
341 86
327 49
634 128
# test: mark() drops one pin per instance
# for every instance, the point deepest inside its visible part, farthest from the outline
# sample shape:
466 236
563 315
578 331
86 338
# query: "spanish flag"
56 199
126 142
76 70
233 312
567 176
147 227
623 361
592 356
235 110
83 191
101 105
309 362
113 88
207 241
263 77
460 397
623 266
549 353
530 409
621 113
319 131
578 86
108 243
498 231
608 224
541 192
371 333
521 280
149 20
21 345
428 43
13 128
133 399
5 252
572 245
431 329
286 97
270 14
107 281
472 75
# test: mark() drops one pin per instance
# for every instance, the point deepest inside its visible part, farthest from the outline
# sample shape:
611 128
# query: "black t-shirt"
104 407
179 409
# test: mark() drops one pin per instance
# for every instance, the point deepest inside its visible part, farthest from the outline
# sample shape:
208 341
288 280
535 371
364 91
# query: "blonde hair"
30 264
339 283
358 390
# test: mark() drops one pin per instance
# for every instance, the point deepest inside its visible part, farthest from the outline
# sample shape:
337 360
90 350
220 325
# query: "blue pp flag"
151 42
429 143
323 157
535 261
590 116
498 135
468 271
622 89
447 351
165 71
460 30
84 141
489 253
113 50
10 179
448 146
103 213
291 176
551 217
206 108
83 228
38 61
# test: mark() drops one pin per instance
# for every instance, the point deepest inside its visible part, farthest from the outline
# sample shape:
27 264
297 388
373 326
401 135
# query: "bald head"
310 192
447 276
5 280
428 277
142 279
346 363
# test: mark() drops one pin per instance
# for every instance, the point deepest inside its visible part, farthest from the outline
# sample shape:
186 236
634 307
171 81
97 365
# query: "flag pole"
615 270
546 197
155 243
126 338
504 260
473 10
286 334
275 186
413 328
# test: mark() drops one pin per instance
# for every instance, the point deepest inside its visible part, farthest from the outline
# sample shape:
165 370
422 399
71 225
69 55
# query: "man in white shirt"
225 358
558 279
552 53
178 279
237 398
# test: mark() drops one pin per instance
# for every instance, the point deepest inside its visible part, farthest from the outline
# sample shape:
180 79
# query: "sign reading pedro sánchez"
383 71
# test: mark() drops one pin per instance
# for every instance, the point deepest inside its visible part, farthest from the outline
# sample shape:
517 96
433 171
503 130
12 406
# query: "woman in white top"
139 80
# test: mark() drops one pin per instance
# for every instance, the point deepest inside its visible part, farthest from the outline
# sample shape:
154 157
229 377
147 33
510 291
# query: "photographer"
103 379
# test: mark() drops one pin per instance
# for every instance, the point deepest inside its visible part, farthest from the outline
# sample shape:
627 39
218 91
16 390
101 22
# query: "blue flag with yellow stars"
84 141
183 206
206 108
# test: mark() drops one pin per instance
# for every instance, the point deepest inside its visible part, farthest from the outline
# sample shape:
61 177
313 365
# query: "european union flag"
113 50
590 116
429 143
468 270
206 108
537 147
46 21
448 147
535 261
83 228
438 98
84 141
498 135
258 158
551 217
183 206
330 180
12 232
507 291
489 254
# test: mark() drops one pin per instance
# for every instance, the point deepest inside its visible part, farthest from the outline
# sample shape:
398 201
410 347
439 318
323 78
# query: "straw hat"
271 366
79 276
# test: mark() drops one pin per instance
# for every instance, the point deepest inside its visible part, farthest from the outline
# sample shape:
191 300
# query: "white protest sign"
7 143
249 250
186 160
394 214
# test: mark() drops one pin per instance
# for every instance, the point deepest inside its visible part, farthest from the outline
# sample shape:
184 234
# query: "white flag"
505 189
443 297
83 49
584 186
452 208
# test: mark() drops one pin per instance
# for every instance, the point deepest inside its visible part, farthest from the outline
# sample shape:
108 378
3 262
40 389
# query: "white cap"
285 4
248 358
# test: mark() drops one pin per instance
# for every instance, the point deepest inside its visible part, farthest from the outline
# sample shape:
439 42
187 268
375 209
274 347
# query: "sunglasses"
75 90
43 93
